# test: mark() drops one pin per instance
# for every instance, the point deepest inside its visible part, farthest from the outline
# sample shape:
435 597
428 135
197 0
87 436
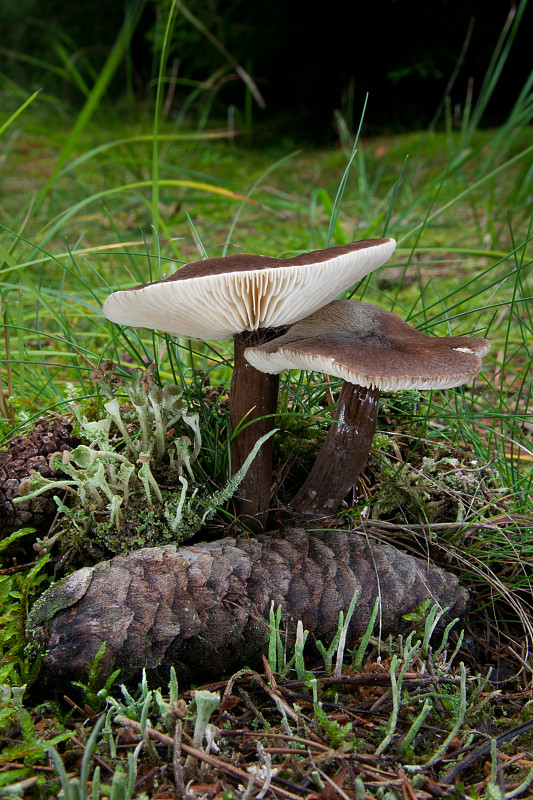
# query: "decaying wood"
205 608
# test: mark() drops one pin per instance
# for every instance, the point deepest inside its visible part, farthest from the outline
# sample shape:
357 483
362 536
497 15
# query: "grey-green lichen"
132 485
61 595
436 483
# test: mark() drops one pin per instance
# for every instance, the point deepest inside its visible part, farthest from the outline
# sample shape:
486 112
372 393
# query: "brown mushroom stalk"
372 349
240 296
253 401
339 463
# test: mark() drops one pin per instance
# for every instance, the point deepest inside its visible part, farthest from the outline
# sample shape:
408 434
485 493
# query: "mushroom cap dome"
367 345
219 297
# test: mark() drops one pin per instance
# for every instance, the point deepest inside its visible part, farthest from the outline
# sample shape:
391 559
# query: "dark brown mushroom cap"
369 346
219 297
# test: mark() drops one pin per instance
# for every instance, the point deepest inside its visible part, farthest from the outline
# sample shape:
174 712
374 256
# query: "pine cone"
205 608
29 453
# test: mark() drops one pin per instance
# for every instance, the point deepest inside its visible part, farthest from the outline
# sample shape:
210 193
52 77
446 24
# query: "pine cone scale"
27 454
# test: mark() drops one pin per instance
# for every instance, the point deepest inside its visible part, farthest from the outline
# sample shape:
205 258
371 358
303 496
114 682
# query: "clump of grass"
18 586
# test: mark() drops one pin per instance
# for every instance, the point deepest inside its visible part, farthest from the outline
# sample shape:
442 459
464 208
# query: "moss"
435 484
97 538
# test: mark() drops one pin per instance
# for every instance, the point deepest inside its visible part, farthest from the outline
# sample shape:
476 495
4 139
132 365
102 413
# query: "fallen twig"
223 766
376 679
483 750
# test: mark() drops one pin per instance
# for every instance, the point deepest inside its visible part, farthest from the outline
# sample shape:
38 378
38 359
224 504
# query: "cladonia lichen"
117 479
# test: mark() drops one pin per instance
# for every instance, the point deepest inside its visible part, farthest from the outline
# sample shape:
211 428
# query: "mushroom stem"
343 454
252 403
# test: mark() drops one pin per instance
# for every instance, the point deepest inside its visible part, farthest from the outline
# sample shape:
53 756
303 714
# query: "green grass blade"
118 50
19 111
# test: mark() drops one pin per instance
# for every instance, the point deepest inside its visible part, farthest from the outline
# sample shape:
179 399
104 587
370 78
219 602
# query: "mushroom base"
252 406
343 454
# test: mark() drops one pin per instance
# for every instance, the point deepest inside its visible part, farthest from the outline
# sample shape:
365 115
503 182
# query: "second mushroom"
372 350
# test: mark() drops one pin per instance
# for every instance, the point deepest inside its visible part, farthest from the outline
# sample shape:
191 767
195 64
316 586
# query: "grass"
101 202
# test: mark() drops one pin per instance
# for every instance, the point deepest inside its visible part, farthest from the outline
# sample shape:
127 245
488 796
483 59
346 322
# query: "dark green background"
303 57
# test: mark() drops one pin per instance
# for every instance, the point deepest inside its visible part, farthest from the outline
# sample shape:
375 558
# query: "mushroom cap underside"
369 346
219 297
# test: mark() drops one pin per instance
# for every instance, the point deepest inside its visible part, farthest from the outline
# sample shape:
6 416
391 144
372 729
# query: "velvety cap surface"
219 297
367 345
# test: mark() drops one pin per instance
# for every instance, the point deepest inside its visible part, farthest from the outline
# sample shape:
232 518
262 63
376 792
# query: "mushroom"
249 298
372 349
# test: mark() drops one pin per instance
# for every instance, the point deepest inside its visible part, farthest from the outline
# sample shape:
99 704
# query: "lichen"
437 483
133 481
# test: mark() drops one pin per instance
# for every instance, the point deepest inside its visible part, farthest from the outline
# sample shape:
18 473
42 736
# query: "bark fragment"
205 608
